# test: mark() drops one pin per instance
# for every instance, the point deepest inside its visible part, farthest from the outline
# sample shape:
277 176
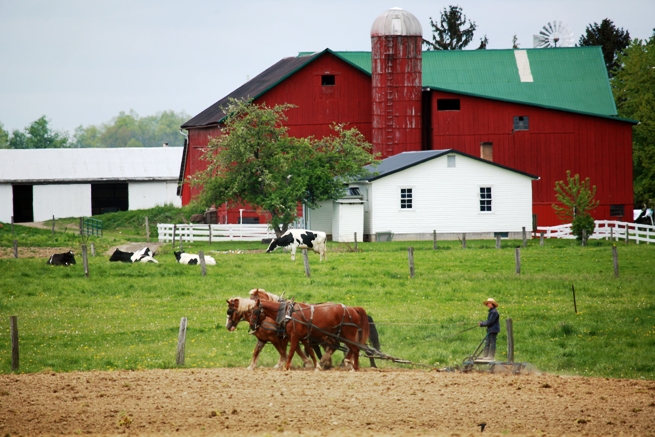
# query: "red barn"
539 111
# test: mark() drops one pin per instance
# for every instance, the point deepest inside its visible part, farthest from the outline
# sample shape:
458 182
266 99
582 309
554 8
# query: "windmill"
553 34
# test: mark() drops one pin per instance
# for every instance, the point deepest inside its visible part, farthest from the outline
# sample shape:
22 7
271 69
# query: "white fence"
197 232
606 229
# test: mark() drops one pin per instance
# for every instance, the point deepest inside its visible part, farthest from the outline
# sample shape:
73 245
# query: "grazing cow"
301 239
192 259
144 255
62 259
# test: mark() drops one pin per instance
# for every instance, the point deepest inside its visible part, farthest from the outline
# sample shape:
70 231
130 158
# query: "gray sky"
81 62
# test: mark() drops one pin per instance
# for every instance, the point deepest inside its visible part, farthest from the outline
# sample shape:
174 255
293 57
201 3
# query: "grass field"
127 316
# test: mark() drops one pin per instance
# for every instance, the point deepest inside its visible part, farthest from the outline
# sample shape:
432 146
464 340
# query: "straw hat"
491 301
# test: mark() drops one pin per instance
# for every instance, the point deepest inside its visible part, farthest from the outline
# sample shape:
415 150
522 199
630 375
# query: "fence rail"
201 232
605 229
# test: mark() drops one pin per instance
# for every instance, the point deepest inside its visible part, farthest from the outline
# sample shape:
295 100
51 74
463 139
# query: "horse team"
281 322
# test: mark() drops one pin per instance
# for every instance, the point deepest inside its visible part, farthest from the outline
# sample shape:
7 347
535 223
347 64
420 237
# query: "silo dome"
396 21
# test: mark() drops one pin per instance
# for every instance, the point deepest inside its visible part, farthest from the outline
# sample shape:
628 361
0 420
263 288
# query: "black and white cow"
191 259
144 255
301 239
62 259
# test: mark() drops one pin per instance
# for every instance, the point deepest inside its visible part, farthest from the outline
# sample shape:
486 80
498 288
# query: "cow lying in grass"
144 255
192 259
301 239
62 259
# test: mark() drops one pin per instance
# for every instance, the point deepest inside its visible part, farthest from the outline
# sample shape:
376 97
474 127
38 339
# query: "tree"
612 40
38 135
634 92
4 137
449 33
578 200
483 43
256 162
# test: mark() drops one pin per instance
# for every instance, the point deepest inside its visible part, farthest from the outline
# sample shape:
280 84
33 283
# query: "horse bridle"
256 315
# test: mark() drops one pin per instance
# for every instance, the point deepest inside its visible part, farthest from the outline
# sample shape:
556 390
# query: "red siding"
556 141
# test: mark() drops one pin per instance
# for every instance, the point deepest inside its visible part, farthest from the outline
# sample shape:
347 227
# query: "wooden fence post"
93 249
13 328
510 340
147 230
305 259
612 235
615 259
498 241
15 248
434 239
410 258
627 233
517 255
575 304
541 239
355 241
181 340
53 225
81 225
203 265
174 230
525 238
463 241
85 261
210 234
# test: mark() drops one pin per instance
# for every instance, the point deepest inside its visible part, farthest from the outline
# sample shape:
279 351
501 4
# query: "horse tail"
373 336
364 325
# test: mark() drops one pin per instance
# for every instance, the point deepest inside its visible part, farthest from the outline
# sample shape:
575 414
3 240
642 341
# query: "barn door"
23 203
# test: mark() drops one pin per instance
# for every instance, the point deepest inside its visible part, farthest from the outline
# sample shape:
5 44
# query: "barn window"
406 198
487 151
521 123
447 104
451 161
354 191
328 80
485 199
617 210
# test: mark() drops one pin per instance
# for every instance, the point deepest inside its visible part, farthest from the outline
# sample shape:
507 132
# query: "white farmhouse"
37 184
412 194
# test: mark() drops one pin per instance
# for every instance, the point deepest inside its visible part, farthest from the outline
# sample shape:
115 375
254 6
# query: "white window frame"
490 200
412 198
451 159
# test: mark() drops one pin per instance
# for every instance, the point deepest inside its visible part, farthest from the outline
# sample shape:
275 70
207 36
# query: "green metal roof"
573 79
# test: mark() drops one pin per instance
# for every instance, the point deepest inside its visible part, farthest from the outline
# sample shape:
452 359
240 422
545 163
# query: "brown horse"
328 324
239 309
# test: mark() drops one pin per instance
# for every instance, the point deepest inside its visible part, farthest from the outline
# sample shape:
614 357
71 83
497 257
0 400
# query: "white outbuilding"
37 184
412 194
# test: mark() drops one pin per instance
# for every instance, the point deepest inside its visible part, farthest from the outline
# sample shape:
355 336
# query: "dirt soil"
390 402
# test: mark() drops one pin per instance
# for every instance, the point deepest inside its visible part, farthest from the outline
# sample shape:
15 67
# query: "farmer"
493 328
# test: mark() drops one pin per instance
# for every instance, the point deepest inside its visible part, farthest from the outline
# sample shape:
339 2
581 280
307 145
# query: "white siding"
347 219
144 195
320 219
61 200
6 203
447 199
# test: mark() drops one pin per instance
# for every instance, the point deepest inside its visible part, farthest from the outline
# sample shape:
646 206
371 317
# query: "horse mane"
257 292
245 304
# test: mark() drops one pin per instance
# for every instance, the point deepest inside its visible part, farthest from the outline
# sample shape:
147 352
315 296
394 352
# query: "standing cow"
301 239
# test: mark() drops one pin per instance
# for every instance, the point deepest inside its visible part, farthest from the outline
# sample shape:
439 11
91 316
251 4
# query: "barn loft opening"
487 151
448 105
328 80
109 198
23 201
617 210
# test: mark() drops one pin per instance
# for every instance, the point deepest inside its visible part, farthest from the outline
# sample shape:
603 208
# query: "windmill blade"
553 34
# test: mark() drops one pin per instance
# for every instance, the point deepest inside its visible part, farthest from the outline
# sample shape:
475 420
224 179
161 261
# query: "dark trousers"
490 344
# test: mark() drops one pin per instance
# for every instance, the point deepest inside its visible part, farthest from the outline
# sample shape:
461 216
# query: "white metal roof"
84 165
